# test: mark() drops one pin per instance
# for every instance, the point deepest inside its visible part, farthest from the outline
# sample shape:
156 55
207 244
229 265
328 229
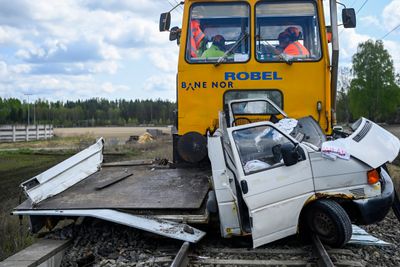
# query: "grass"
16 167
27 161
56 142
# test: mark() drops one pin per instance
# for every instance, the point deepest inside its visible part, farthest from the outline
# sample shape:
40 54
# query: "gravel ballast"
100 243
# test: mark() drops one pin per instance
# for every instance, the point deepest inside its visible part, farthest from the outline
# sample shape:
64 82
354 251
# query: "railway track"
98 243
314 255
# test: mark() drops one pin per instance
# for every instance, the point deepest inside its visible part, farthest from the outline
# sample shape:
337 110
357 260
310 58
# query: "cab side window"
214 29
259 147
287 31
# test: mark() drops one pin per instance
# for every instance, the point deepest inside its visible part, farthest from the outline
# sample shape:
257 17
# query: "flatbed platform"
142 194
135 187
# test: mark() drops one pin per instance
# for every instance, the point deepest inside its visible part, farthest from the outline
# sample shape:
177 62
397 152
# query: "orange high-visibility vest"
296 49
196 37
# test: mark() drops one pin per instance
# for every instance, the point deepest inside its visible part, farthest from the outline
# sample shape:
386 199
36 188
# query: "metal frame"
65 174
146 223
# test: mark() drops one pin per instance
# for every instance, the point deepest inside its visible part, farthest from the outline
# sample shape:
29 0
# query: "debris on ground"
132 139
155 133
145 138
106 244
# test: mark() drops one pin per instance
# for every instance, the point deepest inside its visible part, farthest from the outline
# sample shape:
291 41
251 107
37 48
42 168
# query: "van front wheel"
330 222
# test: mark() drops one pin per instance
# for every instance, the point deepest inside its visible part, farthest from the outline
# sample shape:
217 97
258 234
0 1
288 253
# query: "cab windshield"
216 29
287 31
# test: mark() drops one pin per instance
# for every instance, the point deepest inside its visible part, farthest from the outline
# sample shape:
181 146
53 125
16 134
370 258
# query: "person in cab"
289 43
217 48
197 39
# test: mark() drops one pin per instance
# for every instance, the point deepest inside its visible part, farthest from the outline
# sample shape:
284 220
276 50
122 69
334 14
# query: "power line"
178 3
365 2
352 4
361 7
172 5
390 31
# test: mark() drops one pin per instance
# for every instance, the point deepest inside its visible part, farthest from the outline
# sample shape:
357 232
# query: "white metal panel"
275 196
376 147
228 217
277 221
227 204
65 174
330 174
361 237
146 223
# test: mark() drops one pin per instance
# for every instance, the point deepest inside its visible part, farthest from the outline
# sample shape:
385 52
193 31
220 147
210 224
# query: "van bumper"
375 209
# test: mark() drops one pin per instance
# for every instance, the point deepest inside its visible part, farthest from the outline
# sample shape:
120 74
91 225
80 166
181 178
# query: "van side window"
259 147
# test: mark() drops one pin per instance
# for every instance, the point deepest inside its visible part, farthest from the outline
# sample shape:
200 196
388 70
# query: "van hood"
372 144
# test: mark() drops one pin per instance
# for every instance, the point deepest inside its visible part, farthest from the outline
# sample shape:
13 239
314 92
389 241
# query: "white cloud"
20 69
391 14
164 59
371 21
8 35
112 88
393 48
349 41
110 67
3 69
161 86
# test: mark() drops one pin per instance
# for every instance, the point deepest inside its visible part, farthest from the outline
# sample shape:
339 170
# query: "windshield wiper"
224 56
286 58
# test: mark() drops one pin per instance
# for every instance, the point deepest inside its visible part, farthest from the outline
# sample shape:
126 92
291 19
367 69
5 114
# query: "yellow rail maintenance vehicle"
252 49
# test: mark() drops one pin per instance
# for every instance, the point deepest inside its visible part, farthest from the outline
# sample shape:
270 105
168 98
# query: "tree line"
371 87
91 112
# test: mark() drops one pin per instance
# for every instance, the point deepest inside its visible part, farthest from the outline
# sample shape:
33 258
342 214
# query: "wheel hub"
323 225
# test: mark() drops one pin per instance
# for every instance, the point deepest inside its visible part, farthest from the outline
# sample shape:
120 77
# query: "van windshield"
287 31
214 28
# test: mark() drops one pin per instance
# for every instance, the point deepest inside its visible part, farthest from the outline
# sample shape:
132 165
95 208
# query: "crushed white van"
274 179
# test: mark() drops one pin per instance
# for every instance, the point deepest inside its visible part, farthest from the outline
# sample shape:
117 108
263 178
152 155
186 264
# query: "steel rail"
181 259
323 259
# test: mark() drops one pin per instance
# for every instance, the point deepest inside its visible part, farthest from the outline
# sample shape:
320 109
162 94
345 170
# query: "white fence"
15 133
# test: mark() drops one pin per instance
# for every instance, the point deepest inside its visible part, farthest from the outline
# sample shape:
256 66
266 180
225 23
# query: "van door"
273 192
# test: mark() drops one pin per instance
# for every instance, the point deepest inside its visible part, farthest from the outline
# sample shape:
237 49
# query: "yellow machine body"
201 86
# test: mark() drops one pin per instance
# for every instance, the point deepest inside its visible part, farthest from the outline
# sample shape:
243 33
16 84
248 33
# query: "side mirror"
165 21
175 34
349 18
291 154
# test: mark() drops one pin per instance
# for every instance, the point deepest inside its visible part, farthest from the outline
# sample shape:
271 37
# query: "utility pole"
34 113
28 94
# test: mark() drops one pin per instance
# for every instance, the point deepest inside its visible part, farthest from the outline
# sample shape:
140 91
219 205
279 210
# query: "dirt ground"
120 133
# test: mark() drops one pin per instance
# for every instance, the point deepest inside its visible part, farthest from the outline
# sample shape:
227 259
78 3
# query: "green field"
26 161
16 167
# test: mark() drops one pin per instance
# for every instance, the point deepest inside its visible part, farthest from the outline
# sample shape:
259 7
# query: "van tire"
330 222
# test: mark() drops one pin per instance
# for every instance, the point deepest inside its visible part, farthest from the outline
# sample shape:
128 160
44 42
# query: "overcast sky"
78 49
